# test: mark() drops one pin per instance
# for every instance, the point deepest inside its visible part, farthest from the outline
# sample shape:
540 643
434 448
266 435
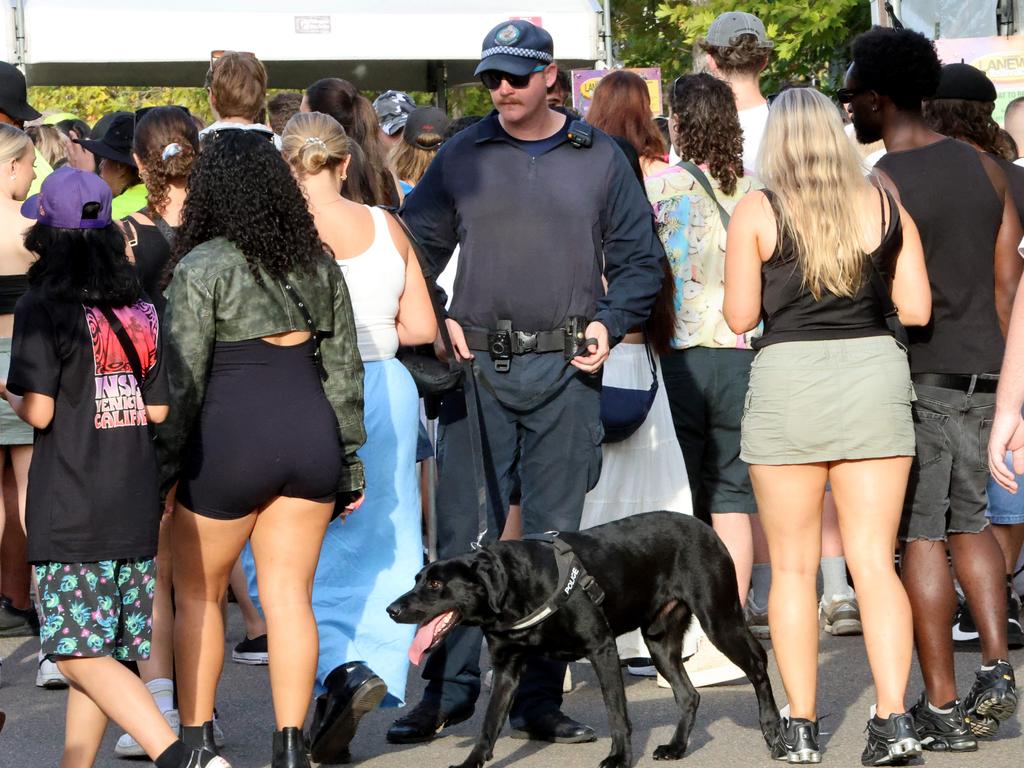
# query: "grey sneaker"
840 616
757 621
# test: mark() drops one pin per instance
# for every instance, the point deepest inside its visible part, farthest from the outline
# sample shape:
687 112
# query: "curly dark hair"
242 189
746 56
82 266
155 132
900 64
708 127
969 121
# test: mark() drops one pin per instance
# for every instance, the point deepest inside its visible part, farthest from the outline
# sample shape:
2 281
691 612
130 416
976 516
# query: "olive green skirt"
13 431
831 400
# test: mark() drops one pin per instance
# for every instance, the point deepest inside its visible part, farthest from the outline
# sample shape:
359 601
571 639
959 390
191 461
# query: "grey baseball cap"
725 30
393 109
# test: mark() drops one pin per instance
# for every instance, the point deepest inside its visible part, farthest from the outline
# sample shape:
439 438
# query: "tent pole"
18 9
609 52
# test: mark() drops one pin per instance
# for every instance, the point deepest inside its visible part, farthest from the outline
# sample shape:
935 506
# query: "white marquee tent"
377 44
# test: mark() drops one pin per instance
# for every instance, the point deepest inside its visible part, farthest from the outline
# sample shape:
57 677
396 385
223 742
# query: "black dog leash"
571 576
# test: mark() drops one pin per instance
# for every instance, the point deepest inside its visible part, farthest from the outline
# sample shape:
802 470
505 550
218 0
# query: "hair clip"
315 140
172 149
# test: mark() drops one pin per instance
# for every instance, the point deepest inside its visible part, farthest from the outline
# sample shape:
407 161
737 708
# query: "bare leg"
21 460
1010 539
733 528
12 560
286 544
84 727
978 563
929 586
831 537
255 626
789 503
205 549
869 497
119 695
513 530
160 663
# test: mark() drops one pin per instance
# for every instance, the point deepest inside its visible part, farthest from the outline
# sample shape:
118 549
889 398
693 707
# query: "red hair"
622 107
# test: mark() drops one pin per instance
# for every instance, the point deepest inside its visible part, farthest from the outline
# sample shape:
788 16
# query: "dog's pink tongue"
424 637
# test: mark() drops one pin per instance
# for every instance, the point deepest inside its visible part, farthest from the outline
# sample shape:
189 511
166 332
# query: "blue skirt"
374 556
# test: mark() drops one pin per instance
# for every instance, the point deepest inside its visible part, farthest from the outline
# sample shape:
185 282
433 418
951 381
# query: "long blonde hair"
809 163
13 142
313 141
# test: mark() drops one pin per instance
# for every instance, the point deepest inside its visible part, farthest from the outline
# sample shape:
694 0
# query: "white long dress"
643 473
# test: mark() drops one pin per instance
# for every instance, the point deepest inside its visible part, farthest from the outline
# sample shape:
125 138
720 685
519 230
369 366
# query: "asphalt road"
725 734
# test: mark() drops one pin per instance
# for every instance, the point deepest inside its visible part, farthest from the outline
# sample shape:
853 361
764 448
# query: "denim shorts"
1005 508
97 609
948 479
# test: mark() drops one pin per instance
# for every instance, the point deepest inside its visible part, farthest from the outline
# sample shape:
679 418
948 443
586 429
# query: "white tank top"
376 279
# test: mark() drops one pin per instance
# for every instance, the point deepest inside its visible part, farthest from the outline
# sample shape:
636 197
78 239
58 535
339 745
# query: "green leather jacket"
214 296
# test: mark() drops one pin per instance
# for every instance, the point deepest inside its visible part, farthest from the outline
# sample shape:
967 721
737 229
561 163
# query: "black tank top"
946 190
791 313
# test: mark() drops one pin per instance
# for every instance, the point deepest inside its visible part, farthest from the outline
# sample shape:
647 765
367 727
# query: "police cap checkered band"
526 53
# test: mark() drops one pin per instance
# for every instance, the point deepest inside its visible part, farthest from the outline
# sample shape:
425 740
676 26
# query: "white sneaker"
200 758
49 677
128 747
708 666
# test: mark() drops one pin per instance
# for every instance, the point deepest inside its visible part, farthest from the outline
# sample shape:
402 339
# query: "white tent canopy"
376 44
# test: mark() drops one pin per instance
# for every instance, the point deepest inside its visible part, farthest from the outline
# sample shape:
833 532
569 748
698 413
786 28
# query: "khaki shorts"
830 400
13 431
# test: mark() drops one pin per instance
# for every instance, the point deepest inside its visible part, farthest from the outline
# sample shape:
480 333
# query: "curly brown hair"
969 121
158 129
746 56
707 128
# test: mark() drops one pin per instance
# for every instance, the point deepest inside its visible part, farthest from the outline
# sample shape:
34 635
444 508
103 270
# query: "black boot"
200 737
289 749
352 691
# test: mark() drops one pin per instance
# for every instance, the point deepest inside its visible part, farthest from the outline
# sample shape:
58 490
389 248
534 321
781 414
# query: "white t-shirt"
752 121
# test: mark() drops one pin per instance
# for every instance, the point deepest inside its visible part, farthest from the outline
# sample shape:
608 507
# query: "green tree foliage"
811 38
92 102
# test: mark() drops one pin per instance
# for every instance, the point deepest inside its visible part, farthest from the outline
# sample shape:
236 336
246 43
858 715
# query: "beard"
866 134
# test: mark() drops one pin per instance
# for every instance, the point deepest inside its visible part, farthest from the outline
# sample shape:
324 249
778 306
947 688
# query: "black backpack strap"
126 343
703 180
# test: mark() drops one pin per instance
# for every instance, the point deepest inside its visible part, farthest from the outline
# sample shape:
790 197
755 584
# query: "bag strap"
126 343
165 229
293 294
702 179
471 393
878 284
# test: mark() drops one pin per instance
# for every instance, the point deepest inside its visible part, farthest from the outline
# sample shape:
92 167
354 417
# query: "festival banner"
1001 58
584 81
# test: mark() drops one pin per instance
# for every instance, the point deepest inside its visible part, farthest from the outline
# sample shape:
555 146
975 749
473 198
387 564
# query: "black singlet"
791 313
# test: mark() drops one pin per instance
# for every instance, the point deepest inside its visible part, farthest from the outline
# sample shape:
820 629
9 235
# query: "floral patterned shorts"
97 609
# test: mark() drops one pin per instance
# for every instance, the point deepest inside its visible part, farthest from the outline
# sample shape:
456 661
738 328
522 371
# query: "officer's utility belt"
504 342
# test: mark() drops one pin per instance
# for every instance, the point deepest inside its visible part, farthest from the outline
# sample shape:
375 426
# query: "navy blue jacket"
536 233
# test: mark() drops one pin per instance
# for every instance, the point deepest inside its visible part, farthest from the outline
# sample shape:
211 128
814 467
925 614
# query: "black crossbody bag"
126 344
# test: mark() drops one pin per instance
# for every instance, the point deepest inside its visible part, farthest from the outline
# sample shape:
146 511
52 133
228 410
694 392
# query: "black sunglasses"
846 95
491 78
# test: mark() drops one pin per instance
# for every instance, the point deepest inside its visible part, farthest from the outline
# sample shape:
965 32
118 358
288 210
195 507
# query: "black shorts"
266 430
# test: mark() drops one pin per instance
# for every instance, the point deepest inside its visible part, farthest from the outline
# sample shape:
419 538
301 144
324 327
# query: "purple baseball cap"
64 195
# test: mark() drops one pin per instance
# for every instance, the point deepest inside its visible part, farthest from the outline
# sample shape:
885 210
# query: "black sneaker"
943 731
893 742
797 742
15 622
1014 633
965 633
252 651
992 698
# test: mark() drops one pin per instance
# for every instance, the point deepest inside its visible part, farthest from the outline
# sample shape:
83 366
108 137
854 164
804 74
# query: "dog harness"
571 577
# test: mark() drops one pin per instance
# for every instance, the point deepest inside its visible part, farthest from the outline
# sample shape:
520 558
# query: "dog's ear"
491 574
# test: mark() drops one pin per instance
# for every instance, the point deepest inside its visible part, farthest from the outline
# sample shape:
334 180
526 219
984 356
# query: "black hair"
80 127
460 124
241 189
901 64
82 266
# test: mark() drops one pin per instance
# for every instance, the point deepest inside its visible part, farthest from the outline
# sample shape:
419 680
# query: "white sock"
935 709
833 578
162 690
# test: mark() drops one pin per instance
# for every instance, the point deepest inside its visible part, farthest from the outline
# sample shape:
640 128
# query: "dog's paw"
615 761
669 752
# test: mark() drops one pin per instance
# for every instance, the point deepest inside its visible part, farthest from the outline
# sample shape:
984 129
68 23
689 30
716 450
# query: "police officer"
539 212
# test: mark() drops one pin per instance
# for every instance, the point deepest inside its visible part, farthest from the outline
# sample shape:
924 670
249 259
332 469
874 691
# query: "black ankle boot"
200 737
289 749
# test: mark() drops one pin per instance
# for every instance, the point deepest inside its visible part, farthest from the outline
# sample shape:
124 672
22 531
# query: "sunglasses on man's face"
846 95
492 78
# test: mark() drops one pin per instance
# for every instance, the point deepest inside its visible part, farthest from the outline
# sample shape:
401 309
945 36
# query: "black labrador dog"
656 571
